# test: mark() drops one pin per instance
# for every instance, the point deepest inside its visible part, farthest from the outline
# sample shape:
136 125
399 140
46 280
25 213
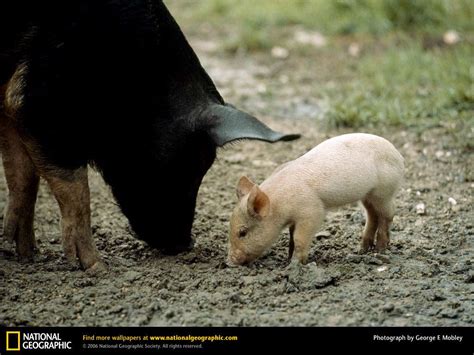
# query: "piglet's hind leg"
385 215
371 224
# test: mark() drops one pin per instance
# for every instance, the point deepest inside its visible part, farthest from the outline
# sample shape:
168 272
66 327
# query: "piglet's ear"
244 186
258 204
228 124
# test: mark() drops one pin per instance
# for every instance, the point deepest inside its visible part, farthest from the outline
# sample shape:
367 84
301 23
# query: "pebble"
354 50
451 37
323 235
315 39
280 52
263 163
421 208
453 203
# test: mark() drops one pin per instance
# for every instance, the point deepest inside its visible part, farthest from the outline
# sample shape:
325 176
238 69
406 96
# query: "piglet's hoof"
295 269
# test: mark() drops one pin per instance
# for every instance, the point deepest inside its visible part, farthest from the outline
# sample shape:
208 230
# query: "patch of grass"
256 25
406 85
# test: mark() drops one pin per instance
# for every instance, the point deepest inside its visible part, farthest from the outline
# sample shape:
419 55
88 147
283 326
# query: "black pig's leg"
72 193
22 181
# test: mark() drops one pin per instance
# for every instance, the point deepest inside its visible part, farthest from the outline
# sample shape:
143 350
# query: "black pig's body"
116 85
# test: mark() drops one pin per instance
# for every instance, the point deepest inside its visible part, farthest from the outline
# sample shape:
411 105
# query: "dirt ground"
425 278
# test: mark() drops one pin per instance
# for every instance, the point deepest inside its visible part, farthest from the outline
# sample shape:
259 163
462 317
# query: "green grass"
256 25
406 84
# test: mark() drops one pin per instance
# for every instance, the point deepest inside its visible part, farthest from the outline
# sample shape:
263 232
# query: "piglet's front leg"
301 236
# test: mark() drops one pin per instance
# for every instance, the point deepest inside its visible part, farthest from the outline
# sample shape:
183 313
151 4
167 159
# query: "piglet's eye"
242 232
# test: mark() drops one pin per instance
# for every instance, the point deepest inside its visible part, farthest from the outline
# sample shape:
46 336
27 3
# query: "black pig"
112 84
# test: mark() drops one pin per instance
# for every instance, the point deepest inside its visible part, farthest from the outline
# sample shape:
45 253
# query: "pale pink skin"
342 170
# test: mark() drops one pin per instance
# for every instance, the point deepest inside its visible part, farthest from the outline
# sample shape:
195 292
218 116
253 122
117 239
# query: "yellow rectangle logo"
16 344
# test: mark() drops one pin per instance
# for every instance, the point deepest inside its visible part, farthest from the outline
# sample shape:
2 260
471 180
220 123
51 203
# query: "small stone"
290 288
451 37
323 235
388 307
382 268
439 154
315 39
263 163
420 209
280 52
452 201
354 50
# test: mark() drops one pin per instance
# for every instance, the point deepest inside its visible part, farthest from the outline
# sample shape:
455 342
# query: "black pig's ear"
228 124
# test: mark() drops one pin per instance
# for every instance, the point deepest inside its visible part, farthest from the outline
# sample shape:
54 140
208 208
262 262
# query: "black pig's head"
158 189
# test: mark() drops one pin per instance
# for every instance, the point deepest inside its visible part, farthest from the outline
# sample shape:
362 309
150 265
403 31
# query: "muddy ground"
425 278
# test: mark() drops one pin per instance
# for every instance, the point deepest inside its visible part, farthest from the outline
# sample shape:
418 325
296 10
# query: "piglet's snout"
236 257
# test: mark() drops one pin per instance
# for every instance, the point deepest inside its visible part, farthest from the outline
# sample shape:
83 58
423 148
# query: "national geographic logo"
16 341
12 341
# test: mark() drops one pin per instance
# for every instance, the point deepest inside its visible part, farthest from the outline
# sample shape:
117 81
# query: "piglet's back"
346 168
